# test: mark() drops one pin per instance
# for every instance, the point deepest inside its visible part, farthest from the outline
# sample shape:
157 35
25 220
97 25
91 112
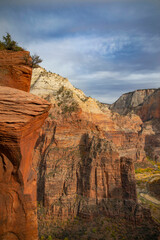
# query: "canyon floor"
148 183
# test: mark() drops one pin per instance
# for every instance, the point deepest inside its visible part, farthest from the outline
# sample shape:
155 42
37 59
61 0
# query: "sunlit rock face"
15 69
21 118
150 108
84 154
146 104
22 115
129 101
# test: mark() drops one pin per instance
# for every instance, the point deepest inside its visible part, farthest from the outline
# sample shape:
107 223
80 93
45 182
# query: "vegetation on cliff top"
9 44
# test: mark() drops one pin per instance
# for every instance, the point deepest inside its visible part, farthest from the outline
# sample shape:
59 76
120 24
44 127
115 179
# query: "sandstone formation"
146 104
84 154
69 102
21 118
22 115
150 108
15 69
129 101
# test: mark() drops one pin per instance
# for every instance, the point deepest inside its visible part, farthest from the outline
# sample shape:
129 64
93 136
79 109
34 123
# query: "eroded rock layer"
83 174
21 117
85 152
146 104
15 69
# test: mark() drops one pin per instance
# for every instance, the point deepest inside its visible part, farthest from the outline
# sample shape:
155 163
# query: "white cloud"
69 55
77 59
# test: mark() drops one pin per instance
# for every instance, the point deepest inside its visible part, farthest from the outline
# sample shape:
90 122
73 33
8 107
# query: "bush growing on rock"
9 44
35 60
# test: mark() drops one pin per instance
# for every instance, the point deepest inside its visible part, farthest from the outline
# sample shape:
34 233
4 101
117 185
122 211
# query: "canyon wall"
84 154
129 101
146 104
21 118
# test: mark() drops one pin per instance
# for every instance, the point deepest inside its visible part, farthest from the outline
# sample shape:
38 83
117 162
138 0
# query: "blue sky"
104 47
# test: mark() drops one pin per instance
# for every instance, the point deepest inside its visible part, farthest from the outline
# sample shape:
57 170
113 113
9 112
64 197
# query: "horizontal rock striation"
21 117
79 175
146 104
129 101
15 69
150 108
84 154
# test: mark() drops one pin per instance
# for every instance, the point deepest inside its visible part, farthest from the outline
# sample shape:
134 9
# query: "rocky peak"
43 83
128 101
146 104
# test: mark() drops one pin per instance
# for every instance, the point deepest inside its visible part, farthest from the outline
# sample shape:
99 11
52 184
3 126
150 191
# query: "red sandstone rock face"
150 109
15 69
83 153
146 104
80 171
129 101
21 116
150 114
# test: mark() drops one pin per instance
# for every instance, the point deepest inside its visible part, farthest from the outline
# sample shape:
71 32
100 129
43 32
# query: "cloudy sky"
104 47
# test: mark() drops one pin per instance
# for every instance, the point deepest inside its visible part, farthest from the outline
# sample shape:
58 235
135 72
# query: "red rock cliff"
21 116
84 154
146 104
15 69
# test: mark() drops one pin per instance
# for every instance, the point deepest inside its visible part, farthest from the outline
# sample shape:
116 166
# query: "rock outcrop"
150 107
146 104
22 115
70 102
85 152
129 101
15 69
21 118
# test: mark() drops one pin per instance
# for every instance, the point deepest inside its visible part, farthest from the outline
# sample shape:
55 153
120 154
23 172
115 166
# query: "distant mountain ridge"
129 101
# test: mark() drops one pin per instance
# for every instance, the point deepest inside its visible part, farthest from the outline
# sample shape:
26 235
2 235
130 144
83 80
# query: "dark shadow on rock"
85 165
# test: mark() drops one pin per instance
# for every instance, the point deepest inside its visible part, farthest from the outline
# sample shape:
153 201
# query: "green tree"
9 44
35 60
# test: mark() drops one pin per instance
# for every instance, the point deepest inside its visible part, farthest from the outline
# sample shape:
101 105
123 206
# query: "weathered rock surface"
148 108
69 103
84 154
15 69
129 101
21 116
77 173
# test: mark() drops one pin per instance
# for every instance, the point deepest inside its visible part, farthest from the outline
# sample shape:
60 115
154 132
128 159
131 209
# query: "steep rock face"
84 153
148 108
128 101
77 173
149 112
69 102
21 117
15 69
